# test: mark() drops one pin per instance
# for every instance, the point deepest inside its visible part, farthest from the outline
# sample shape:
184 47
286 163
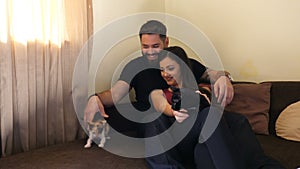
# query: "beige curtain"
36 107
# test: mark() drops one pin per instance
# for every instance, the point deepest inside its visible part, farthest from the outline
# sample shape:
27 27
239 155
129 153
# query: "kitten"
97 130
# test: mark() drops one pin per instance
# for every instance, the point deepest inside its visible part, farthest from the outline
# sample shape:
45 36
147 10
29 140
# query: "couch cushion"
253 101
288 123
283 93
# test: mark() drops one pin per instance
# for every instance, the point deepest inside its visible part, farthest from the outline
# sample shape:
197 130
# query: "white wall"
256 40
108 12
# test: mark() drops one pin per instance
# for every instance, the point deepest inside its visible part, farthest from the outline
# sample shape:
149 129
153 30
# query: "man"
142 75
151 44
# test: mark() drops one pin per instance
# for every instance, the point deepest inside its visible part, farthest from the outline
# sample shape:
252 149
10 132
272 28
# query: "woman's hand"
180 115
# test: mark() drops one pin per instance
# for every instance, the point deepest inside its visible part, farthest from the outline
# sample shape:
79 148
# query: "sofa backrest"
283 93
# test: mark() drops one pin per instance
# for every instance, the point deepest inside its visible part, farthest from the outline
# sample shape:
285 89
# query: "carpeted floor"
73 156
70 156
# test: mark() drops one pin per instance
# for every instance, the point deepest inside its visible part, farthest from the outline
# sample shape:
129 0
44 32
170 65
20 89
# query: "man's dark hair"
154 27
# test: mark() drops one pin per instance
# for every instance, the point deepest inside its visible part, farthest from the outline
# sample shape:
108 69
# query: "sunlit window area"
33 20
40 41
3 21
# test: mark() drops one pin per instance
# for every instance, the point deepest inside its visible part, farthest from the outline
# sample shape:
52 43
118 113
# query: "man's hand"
94 105
223 90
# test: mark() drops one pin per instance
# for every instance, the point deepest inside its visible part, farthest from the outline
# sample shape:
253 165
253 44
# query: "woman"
215 151
175 69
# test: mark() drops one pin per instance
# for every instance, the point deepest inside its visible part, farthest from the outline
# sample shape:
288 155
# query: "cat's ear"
90 124
100 121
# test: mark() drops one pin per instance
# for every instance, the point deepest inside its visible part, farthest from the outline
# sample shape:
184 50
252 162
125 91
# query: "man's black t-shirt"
143 78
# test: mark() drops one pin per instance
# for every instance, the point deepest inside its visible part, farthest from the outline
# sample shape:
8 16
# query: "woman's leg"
248 144
218 143
167 159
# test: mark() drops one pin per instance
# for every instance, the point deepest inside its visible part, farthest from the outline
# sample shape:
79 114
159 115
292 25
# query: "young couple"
231 145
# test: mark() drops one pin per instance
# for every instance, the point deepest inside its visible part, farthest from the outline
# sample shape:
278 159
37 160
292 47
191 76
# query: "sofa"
278 95
282 94
269 100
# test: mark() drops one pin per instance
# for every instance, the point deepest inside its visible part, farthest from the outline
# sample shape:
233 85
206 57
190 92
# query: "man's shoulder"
134 64
137 60
192 60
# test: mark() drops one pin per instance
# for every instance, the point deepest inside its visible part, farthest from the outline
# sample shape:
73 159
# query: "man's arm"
222 87
213 75
106 98
115 94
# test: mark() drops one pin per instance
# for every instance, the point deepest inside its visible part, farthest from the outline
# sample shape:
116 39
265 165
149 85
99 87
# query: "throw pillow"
288 123
253 101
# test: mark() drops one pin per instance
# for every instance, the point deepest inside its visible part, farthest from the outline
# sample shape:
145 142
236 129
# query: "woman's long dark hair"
178 54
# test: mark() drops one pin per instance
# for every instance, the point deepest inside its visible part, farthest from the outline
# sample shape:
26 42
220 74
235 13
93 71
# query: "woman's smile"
170 71
168 79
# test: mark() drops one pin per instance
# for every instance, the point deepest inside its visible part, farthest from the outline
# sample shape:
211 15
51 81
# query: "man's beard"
153 62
